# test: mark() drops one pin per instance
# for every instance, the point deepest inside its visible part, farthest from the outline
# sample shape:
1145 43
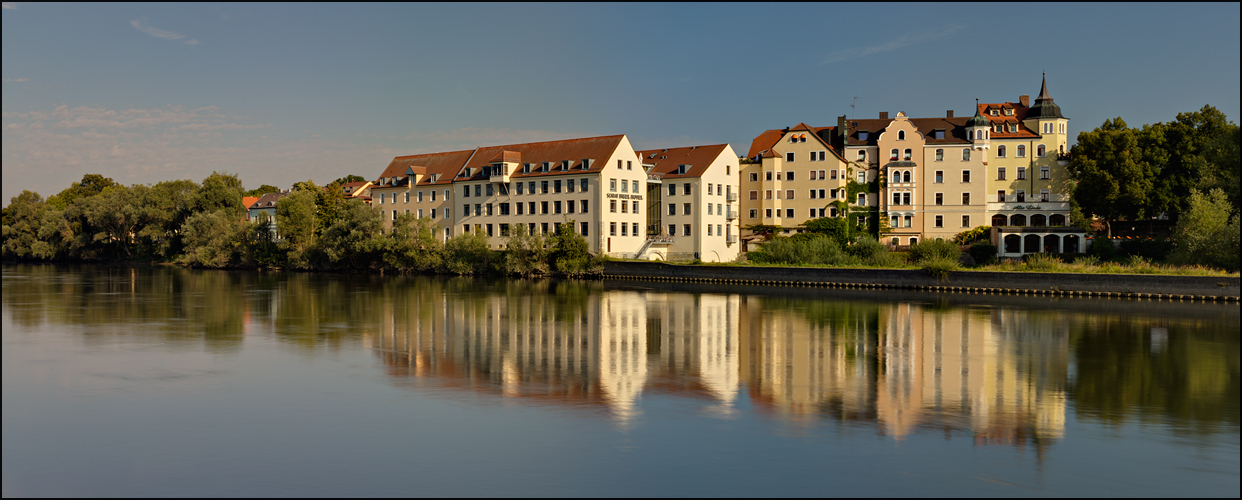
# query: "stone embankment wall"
1096 285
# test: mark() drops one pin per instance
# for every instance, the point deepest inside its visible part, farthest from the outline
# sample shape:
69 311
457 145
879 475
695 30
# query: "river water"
160 381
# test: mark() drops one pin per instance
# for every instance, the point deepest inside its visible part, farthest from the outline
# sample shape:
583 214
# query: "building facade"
794 175
692 203
542 185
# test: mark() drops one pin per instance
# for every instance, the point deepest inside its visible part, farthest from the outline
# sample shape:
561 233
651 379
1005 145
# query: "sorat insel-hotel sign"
625 196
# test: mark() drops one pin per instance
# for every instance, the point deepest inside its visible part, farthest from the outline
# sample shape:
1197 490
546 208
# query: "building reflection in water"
998 374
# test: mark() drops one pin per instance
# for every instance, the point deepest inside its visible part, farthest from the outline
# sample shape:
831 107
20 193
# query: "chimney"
949 113
1025 100
884 115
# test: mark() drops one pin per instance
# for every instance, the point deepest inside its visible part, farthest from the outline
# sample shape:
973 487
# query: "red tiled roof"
246 202
450 164
263 201
667 160
507 157
1019 114
769 138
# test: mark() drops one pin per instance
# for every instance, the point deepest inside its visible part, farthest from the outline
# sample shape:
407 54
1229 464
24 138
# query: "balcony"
731 197
730 239
499 173
730 214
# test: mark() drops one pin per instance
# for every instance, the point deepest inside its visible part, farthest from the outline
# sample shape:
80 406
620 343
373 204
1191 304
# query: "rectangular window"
625 186
478 190
966 154
1000 173
789 194
520 207
754 177
709 189
618 164
543 206
543 187
407 196
754 195
709 209
832 174
584 206
504 209
812 195
556 186
635 205
465 210
813 173
634 185
965 199
822 155
789 176
754 213
532 187
896 198
789 214
1000 196
1044 195
531 207
624 229
814 155
585 229
789 157
767 195
1021 195
556 207
821 194
612 185
569 206
612 206
905 198
940 198
489 209
672 209
812 213
832 193
767 213
685 229
940 177
940 154
862 177
862 199
685 189
489 230
489 189
767 176
685 209
478 209
394 212
909 221
965 221
939 221
1044 173
612 228
629 165
1021 173
625 207
966 176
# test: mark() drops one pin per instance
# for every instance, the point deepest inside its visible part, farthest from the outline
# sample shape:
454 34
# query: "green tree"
350 178
262 190
467 254
571 254
525 254
1200 146
164 208
295 222
90 185
1115 168
1206 234
212 239
353 241
112 217
22 220
220 191
414 245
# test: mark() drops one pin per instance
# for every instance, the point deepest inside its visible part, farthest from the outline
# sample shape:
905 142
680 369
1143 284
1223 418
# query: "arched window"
999 220
1017 220
901 135
862 156
905 177
896 177
966 154
1052 243
909 154
1040 151
1021 151
1000 151
1039 220
1031 244
894 155
1013 244
1056 220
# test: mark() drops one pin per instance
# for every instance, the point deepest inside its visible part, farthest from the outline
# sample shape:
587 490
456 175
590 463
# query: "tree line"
203 225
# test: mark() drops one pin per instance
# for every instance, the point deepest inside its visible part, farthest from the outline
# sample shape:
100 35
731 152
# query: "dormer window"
862 135
1008 111
547 166
938 134
1013 127
994 112
525 168
681 169
564 165
999 128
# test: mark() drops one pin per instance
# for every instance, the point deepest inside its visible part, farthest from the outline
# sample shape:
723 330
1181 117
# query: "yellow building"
598 183
692 200
794 175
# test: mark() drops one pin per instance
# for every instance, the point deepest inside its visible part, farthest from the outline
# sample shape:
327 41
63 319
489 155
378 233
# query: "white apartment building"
692 203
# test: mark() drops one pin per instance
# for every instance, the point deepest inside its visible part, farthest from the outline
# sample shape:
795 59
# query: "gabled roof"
767 139
267 201
1019 114
667 160
450 164
954 129
873 127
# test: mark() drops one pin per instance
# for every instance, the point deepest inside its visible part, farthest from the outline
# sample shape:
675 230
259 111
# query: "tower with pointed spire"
977 131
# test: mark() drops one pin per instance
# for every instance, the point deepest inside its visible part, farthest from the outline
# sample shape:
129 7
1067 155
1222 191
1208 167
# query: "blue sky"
284 92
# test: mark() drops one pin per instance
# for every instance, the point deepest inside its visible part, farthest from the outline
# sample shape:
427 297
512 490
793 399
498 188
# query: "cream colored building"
795 175
597 184
692 203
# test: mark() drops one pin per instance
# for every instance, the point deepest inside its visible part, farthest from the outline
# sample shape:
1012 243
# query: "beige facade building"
795 175
596 184
692 203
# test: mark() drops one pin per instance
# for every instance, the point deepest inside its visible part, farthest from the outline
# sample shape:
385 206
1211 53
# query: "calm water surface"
126 381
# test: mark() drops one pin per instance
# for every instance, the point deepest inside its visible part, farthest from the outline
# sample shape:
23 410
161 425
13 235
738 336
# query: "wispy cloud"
141 25
10 5
16 79
904 41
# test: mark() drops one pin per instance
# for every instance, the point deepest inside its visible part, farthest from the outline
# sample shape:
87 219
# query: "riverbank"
1161 287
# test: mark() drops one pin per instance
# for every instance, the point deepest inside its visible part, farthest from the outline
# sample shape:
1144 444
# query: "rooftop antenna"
852 107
